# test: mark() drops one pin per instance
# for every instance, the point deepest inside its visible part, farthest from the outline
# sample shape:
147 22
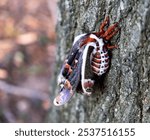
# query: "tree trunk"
125 96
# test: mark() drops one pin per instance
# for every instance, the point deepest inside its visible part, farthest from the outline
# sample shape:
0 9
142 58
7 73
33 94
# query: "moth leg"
112 34
112 46
104 23
110 30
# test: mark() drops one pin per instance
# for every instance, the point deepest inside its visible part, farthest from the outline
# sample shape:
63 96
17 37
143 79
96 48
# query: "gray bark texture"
125 96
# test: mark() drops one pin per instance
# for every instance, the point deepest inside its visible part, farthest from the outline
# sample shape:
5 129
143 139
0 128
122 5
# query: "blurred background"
27 58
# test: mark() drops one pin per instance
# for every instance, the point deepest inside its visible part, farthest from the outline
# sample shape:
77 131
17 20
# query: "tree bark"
125 96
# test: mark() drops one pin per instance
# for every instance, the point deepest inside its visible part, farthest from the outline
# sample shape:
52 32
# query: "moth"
88 50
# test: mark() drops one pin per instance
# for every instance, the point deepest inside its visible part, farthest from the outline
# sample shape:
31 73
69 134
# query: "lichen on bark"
125 96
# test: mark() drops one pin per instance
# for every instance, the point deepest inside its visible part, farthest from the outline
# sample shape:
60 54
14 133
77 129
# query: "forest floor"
27 58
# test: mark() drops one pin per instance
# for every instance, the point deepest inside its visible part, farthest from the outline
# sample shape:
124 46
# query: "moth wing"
87 75
64 96
74 78
74 53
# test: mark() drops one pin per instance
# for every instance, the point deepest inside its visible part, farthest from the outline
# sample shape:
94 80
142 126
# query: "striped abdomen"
100 61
